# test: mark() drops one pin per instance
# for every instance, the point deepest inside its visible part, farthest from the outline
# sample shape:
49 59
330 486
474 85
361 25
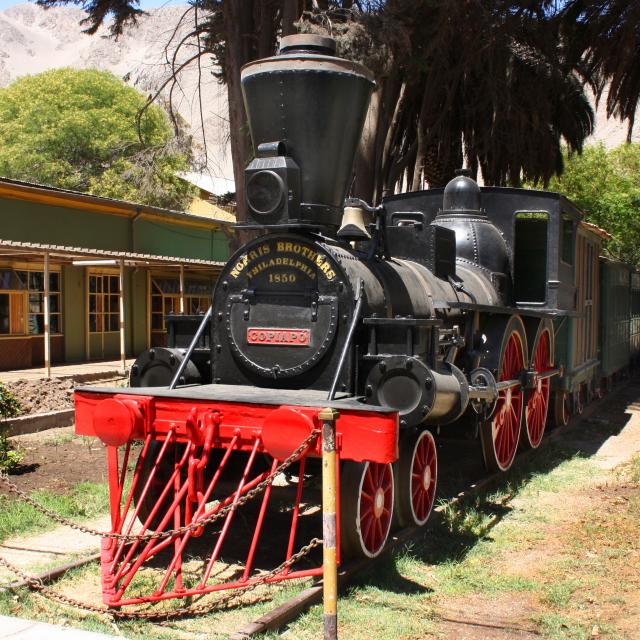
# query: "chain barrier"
193 526
201 609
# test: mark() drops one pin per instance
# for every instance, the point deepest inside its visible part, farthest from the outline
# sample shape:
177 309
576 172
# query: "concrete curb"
21 629
38 422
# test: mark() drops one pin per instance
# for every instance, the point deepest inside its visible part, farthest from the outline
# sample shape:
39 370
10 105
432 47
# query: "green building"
115 269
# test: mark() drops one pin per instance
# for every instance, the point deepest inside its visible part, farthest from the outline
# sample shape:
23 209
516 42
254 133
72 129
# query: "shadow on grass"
460 525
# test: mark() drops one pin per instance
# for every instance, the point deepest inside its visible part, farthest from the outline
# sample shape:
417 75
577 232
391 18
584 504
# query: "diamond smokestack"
306 110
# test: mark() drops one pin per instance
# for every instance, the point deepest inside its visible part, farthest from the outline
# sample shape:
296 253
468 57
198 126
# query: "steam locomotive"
437 310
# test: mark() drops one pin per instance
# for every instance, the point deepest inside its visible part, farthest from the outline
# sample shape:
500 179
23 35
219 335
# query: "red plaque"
283 337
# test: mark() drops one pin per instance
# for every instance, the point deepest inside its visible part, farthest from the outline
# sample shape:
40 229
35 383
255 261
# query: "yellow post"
329 556
47 318
123 352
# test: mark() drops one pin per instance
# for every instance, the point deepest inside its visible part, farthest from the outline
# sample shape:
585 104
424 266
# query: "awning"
15 249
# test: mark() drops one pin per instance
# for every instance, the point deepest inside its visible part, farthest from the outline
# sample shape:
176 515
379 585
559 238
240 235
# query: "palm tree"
607 34
490 82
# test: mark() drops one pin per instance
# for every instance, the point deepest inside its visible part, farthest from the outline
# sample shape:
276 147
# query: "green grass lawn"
86 500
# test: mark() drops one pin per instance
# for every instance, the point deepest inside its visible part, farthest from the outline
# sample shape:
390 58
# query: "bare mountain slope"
33 39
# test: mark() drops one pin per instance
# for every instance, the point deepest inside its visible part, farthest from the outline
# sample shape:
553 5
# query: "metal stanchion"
329 557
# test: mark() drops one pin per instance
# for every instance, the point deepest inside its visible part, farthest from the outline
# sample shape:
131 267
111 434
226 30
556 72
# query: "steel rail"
52 574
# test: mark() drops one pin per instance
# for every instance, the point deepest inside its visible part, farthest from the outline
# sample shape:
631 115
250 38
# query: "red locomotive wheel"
366 507
500 434
416 478
537 409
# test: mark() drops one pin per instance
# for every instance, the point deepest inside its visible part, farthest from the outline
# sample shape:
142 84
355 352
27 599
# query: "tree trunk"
364 185
236 15
242 42
291 12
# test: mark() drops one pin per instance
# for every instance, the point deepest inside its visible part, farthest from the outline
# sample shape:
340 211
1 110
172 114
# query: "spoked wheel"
366 507
501 433
416 475
537 409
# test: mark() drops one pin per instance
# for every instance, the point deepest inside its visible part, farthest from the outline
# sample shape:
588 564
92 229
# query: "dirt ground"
582 557
56 460
49 394
40 396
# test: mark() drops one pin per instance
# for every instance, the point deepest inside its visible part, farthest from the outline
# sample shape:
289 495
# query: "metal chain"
193 526
201 609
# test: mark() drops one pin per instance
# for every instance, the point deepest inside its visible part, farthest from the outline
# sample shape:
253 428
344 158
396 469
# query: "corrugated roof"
85 252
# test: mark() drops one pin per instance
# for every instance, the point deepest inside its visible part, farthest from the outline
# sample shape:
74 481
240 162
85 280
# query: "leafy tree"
78 130
606 186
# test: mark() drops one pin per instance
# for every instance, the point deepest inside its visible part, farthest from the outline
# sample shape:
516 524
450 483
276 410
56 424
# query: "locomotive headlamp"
265 192
272 187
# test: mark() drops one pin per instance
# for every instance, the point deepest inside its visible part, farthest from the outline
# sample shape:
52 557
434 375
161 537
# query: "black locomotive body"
416 310
462 308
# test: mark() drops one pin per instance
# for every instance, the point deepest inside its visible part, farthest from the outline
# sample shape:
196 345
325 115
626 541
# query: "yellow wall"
200 207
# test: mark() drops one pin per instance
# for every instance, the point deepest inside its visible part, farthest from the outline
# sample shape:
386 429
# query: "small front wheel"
366 507
416 476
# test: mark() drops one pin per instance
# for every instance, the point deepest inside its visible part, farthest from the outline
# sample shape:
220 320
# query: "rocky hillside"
33 39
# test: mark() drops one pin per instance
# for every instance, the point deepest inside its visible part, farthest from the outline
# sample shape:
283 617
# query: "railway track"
289 610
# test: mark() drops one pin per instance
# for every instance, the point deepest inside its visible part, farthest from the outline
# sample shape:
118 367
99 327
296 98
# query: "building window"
35 283
165 299
104 303
198 305
22 302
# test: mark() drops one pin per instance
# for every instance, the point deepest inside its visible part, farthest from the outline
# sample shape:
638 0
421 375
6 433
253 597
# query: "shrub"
10 458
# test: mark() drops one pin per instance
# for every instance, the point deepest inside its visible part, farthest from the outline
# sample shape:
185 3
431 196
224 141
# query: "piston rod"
490 394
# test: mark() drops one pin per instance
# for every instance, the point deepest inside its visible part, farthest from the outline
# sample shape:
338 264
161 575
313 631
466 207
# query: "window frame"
156 292
106 309
30 293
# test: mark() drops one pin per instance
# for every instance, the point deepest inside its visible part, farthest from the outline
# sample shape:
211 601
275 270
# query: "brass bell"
353 225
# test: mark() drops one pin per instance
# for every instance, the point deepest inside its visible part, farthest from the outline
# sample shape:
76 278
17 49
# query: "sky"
144 4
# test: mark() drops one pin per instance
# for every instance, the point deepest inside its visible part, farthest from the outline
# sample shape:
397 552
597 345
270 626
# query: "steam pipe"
348 341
